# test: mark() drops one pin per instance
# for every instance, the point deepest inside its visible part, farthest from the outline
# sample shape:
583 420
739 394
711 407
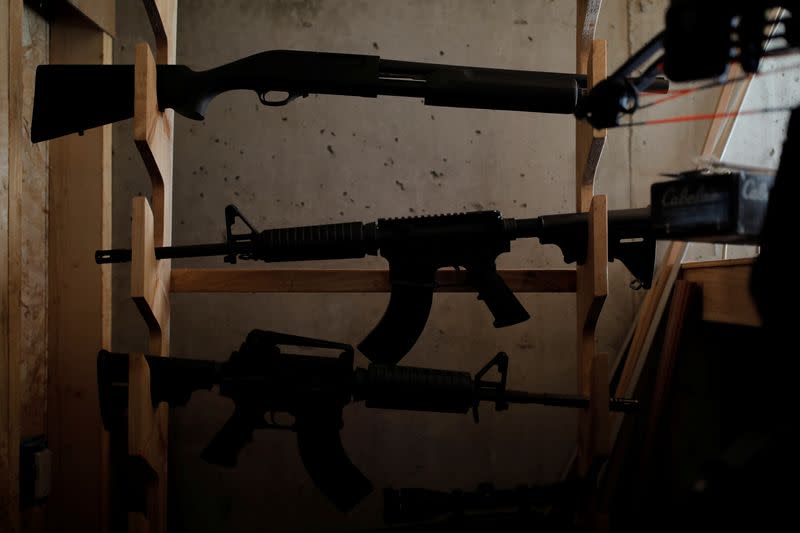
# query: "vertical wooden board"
11 248
684 296
33 360
7 467
79 321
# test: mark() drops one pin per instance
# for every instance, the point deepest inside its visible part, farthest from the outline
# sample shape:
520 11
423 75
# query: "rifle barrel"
124 255
623 405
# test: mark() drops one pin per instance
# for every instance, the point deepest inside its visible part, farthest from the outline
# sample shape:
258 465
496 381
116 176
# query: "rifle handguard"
414 389
328 241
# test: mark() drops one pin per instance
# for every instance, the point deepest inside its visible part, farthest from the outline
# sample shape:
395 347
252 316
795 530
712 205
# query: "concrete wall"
327 159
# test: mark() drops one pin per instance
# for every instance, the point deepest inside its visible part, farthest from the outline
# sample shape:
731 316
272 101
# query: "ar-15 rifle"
102 94
416 247
260 379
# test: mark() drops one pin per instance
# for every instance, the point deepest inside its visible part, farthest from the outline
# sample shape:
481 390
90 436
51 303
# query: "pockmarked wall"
334 159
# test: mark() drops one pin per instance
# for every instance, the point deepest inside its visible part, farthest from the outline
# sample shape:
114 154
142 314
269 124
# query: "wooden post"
150 279
79 299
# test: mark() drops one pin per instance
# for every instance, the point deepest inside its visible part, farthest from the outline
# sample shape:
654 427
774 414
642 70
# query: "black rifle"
416 247
74 98
314 389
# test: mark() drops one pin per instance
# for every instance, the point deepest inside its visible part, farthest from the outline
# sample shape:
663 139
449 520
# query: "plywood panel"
79 299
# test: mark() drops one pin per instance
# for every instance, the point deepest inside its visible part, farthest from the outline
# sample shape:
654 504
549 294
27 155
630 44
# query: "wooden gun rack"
152 281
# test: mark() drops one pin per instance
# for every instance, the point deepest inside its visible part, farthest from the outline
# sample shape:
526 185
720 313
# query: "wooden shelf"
219 280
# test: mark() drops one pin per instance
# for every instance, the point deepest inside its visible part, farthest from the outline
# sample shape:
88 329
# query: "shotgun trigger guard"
273 424
231 214
500 404
263 97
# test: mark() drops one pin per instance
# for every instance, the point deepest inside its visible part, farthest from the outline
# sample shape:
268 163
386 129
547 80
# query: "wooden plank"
79 299
696 265
651 308
11 247
231 280
589 142
592 290
684 297
726 292
100 12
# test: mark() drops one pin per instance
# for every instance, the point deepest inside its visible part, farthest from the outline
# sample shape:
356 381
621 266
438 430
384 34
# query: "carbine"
314 389
416 247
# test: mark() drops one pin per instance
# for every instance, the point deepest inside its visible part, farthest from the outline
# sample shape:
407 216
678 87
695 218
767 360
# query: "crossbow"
701 40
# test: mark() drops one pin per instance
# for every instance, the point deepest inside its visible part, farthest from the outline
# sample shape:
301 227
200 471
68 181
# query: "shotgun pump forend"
314 389
102 94
417 247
